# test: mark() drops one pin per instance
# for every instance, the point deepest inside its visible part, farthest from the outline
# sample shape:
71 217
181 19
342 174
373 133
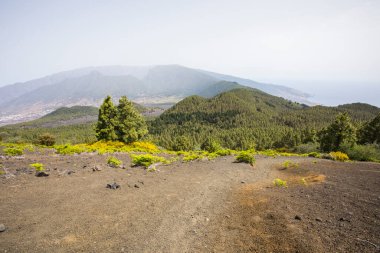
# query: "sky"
316 46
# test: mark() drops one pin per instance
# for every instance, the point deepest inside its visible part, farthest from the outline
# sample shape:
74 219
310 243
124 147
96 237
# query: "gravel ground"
200 206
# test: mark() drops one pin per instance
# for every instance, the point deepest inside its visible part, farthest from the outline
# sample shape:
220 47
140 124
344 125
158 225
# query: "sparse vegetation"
314 154
114 162
38 166
339 156
289 164
280 183
13 151
146 160
245 157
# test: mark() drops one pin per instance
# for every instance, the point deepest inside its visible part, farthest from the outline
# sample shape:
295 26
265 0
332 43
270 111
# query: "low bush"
146 160
210 145
369 152
13 151
69 149
192 156
46 139
307 148
245 157
114 162
289 164
280 183
37 166
314 154
224 152
326 156
339 156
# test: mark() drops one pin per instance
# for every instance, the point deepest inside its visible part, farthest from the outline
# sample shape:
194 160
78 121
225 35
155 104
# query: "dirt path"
203 206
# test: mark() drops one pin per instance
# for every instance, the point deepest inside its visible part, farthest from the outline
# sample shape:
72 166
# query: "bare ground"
201 206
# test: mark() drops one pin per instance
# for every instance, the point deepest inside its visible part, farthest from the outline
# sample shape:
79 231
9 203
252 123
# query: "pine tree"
341 131
131 125
105 127
370 132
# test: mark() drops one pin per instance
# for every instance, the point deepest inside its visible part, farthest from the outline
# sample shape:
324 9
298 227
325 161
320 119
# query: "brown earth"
201 206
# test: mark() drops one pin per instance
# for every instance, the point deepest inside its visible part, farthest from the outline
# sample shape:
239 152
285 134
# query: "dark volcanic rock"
41 174
113 186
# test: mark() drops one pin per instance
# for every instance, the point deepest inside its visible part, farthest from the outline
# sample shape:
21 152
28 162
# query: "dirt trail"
202 206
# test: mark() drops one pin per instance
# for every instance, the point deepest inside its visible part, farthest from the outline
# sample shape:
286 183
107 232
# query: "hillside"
243 117
151 85
67 124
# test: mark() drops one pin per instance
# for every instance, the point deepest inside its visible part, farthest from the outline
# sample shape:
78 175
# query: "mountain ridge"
161 84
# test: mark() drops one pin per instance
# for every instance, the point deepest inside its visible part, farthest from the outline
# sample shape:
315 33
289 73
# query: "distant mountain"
240 117
151 85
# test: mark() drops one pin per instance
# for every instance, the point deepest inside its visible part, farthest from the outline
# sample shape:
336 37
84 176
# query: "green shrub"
69 149
339 156
280 183
326 156
368 152
224 152
182 143
46 139
114 162
306 148
245 157
146 160
314 154
289 164
210 145
38 166
192 156
13 151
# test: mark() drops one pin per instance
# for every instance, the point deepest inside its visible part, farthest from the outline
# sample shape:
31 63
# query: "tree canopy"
122 123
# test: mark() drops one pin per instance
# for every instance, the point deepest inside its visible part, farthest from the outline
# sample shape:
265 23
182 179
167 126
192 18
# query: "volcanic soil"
199 206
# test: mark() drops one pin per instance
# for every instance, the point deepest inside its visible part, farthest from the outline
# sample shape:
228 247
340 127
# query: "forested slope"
243 118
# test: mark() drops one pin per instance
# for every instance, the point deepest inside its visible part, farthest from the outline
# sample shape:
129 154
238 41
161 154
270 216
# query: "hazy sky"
297 43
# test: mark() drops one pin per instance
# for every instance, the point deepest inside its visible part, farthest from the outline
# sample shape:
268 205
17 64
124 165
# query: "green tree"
130 126
341 131
105 127
370 132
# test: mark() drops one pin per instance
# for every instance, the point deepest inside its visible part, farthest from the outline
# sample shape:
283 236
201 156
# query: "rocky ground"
200 206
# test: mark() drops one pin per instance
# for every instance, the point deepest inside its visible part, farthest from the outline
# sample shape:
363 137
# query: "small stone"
243 182
96 168
41 174
136 186
2 228
297 217
113 186
318 219
70 172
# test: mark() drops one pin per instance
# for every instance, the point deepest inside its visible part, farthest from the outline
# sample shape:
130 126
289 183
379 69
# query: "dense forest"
246 118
